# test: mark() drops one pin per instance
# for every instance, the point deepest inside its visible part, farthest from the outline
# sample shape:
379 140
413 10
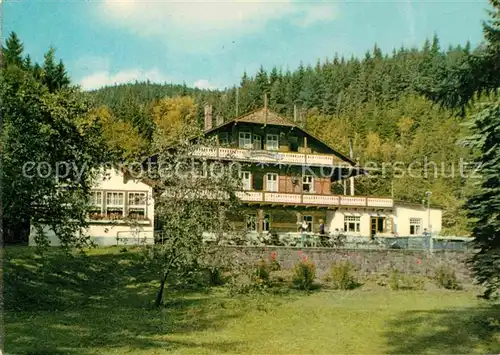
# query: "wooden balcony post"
260 219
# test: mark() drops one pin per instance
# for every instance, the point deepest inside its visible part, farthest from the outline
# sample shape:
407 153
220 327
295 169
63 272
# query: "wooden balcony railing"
313 199
269 156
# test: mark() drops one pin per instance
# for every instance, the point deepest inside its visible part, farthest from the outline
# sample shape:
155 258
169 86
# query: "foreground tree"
484 207
49 151
194 203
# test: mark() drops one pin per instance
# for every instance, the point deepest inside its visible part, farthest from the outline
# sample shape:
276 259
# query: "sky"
209 44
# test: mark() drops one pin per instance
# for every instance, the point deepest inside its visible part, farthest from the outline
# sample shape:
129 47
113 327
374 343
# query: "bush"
304 274
341 276
215 276
400 281
274 265
446 278
262 271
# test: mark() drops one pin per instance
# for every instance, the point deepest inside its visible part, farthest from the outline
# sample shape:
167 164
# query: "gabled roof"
262 115
266 116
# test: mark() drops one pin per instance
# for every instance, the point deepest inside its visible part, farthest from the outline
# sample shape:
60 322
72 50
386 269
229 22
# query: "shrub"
446 278
262 271
400 281
304 274
215 276
341 276
274 265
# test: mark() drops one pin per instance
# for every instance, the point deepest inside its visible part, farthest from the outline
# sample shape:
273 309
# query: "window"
381 225
266 223
251 223
309 221
246 179
96 199
272 142
137 205
352 223
224 139
307 183
272 182
245 140
115 205
257 142
96 208
415 226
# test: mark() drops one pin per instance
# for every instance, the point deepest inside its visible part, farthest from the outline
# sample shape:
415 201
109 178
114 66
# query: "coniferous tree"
484 206
273 76
54 75
13 52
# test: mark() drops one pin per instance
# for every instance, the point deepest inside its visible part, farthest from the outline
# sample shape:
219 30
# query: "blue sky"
210 44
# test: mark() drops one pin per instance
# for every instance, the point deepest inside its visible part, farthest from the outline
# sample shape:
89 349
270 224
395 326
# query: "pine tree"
13 52
484 207
262 81
273 76
61 76
244 79
28 65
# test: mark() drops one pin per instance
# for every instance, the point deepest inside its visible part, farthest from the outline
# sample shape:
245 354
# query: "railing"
313 199
353 201
269 156
249 196
379 202
282 197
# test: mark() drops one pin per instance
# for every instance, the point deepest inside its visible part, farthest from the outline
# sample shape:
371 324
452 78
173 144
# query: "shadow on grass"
461 331
83 304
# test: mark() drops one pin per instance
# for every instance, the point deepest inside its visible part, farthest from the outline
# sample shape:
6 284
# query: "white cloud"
105 78
204 84
184 21
322 12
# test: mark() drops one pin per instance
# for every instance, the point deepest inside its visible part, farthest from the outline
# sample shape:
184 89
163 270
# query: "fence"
343 241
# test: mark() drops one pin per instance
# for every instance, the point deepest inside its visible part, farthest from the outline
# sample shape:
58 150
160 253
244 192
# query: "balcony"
270 157
314 200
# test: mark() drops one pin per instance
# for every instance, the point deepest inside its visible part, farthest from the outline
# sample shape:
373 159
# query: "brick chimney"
208 117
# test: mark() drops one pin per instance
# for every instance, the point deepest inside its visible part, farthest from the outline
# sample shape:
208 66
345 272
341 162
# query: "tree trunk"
159 295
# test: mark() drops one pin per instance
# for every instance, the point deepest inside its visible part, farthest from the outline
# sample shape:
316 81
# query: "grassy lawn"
101 304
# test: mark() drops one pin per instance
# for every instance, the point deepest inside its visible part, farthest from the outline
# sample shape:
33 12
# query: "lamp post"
428 194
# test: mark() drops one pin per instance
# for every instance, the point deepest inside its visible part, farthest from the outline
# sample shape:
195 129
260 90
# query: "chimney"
208 117
295 113
351 179
219 120
265 109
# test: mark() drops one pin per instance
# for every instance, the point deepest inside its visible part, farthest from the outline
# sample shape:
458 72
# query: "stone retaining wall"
368 261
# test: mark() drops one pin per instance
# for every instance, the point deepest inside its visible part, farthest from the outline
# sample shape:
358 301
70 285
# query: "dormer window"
245 140
272 142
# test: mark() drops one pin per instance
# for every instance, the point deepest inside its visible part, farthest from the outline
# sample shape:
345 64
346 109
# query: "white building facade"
404 220
122 212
